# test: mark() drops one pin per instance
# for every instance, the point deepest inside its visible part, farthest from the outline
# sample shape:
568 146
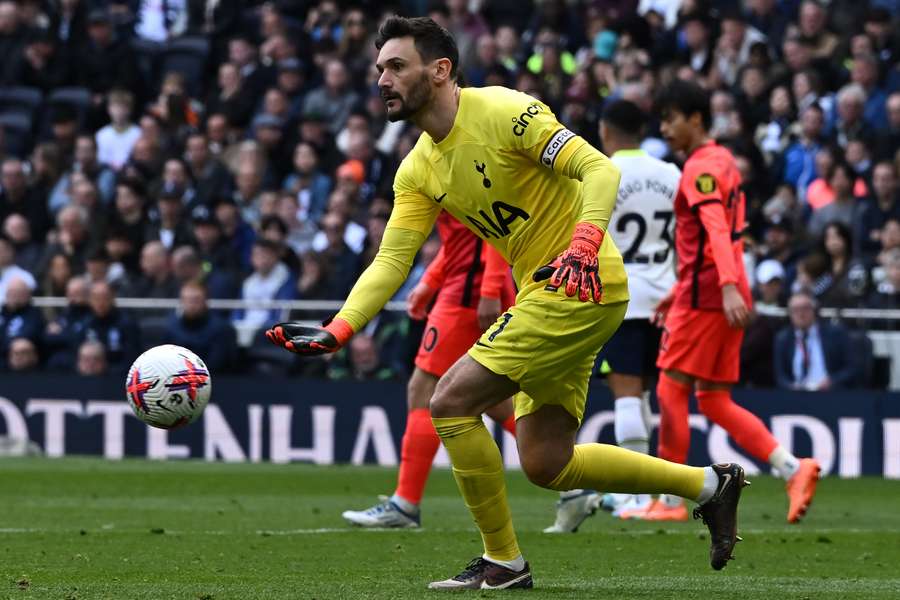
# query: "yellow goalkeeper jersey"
516 177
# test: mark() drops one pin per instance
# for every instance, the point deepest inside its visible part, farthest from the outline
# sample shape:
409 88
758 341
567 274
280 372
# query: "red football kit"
464 270
709 220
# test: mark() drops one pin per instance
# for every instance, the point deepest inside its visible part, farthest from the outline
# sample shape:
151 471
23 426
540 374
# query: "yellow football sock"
614 469
478 469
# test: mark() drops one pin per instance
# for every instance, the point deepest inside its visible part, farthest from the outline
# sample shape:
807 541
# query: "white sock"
676 501
710 483
570 494
516 564
784 462
631 431
646 413
405 505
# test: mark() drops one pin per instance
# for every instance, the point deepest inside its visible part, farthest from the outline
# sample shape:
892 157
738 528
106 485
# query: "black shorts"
632 350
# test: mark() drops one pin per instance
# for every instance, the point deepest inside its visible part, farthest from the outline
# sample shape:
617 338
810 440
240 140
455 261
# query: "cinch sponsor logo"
551 150
520 123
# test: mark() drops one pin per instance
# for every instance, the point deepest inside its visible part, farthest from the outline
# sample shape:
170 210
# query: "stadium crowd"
202 149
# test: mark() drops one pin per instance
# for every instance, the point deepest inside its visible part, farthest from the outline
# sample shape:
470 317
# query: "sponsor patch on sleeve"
705 183
554 146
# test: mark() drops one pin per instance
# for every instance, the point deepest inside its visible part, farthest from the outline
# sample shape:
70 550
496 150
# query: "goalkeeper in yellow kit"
500 162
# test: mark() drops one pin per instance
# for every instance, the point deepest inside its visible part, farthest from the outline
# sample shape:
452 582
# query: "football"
168 386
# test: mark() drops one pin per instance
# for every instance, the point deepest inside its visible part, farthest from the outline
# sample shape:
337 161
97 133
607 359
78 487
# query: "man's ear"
442 69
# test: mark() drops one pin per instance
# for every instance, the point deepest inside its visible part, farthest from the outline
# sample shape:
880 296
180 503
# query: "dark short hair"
432 41
266 244
687 98
624 116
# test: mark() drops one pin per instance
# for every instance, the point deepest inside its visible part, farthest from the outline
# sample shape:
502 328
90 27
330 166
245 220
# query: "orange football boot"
801 488
660 511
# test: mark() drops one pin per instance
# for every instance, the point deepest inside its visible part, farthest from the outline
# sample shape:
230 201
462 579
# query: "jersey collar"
704 146
629 152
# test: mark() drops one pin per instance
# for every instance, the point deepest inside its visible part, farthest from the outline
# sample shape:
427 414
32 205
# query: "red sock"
420 444
510 424
674 432
742 425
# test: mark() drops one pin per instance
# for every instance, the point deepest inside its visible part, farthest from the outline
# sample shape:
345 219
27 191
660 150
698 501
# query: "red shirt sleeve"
496 272
434 275
699 184
712 215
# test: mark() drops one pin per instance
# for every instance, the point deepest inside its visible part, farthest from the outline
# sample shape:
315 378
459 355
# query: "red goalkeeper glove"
311 341
577 267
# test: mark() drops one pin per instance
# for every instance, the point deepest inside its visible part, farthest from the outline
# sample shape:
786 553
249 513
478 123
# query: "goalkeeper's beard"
419 96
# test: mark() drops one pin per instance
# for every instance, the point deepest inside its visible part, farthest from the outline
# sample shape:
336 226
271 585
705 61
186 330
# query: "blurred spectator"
211 177
9 270
17 230
812 354
91 359
247 191
156 279
847 122
12 44
363 362
176 180
160 21
232 98
16 196
105 61
759 335
130 214
887 293
812 26
844 205
46 167
237 234
800 157
114 328
342 206
308 182
23 355
210 336
770 288
270 280
214 251
848 277
887 140
876 210
187 266
170 227
244 55
344 262
85 195
864 72
19 318
71 237
57 274
275 230
334 98
100 267
64 330
116 140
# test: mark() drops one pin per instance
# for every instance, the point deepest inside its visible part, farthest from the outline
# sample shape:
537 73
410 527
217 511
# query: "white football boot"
572 509
387 515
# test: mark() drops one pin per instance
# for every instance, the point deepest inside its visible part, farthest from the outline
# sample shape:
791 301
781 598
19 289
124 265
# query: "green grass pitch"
85 529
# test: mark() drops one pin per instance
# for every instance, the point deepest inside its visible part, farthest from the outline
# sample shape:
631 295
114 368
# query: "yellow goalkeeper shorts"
547 343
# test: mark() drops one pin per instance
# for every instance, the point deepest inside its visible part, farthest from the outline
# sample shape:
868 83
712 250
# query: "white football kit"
642 225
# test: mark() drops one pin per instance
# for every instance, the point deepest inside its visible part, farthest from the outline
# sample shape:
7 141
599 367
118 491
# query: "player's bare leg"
419 447
747 430
551 459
